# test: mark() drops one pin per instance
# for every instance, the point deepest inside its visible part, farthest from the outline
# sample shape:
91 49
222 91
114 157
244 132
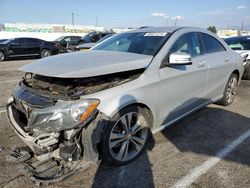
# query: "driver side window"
188 43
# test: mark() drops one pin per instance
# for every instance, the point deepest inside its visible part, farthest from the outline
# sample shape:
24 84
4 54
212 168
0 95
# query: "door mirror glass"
180 58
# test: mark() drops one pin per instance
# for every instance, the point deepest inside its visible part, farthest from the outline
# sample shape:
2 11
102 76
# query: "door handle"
201 64
227 59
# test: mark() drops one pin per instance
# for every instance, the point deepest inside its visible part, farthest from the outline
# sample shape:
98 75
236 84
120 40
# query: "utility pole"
175 23
242 26
96 21
73 19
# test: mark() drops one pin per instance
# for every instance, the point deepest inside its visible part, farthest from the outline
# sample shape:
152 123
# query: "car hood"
86 45
86 64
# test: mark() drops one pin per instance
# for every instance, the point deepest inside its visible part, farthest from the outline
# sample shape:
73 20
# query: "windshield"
5 41
104 38
139 43
238 43
88 38
59 39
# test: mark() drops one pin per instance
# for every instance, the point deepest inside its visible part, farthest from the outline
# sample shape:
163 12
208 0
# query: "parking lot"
210 148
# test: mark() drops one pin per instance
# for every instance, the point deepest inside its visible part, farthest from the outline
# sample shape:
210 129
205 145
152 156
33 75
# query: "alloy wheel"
231 89
128 136
45 53
2 56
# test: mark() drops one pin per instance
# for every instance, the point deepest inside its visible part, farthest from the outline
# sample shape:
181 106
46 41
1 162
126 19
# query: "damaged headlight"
64 115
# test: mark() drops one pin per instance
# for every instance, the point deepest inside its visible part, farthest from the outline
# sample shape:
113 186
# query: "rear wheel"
45 53
126 136
230 90
2 56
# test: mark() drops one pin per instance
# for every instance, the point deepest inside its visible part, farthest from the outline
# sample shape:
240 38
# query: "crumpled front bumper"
40 144
49 167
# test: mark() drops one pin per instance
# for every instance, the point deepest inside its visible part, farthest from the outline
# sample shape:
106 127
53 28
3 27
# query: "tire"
121 145
230 90
246 75
45 53
2 56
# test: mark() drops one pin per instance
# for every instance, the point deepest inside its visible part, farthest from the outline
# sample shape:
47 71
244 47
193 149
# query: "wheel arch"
140 105
237 72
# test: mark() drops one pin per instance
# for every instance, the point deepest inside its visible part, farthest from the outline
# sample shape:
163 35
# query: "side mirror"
180 59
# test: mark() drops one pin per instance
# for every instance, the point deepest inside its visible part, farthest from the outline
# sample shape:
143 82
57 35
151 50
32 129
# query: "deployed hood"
86 64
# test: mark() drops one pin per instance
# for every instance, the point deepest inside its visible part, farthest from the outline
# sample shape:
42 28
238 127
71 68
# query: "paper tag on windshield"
155 34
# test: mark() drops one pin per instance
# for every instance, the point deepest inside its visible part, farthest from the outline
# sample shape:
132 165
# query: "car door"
220 64
17 47
33 46
182 87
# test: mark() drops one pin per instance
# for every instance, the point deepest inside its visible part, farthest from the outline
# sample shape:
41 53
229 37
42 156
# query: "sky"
128 13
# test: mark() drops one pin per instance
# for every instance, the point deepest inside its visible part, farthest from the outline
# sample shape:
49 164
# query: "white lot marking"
2 111
195 173
7 81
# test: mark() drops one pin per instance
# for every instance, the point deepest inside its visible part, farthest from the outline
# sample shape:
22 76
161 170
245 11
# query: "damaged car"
102 104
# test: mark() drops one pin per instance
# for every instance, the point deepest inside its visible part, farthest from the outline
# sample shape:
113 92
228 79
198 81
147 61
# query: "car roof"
26 38
156 29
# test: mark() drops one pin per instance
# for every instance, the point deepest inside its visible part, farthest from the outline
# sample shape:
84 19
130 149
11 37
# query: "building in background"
231 33
44 31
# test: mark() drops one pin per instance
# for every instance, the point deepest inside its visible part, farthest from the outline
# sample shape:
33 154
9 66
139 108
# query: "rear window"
211 44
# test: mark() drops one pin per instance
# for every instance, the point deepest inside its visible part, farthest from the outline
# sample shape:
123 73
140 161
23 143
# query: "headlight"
64 115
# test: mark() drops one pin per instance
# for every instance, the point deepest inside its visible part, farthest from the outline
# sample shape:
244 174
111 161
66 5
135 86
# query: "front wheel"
2 56
230 90
45 53
126 136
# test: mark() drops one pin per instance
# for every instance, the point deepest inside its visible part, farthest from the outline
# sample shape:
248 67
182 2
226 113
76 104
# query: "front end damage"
61 128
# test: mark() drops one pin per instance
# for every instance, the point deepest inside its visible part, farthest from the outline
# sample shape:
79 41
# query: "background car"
87 46
23 47
241 45
92 37
63 42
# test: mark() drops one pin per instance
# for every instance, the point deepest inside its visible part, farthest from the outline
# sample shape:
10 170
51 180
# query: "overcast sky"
128 13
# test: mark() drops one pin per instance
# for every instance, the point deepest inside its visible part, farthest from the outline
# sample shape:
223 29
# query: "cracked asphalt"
171 154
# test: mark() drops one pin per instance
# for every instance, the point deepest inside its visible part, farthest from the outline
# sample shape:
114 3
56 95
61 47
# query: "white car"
241 45
103 103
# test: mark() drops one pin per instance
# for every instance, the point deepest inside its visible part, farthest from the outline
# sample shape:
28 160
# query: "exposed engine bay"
73 88
60 127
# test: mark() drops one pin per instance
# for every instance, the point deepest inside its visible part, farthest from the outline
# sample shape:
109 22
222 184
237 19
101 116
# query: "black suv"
22 47
63 42
91 37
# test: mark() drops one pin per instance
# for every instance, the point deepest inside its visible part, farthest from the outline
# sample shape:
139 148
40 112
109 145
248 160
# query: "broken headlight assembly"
63 115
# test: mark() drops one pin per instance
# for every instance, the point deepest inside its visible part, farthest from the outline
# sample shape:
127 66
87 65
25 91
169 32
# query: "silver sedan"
107 100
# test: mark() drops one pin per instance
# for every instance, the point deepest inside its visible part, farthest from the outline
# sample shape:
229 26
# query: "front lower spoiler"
46 171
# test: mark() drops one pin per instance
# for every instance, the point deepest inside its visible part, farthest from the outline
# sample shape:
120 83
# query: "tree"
212 29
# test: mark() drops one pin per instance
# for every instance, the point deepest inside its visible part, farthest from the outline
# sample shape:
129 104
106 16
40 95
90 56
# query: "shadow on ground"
205 133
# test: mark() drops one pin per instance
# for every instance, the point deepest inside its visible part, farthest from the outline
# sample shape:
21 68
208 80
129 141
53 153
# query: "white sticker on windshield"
155 34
